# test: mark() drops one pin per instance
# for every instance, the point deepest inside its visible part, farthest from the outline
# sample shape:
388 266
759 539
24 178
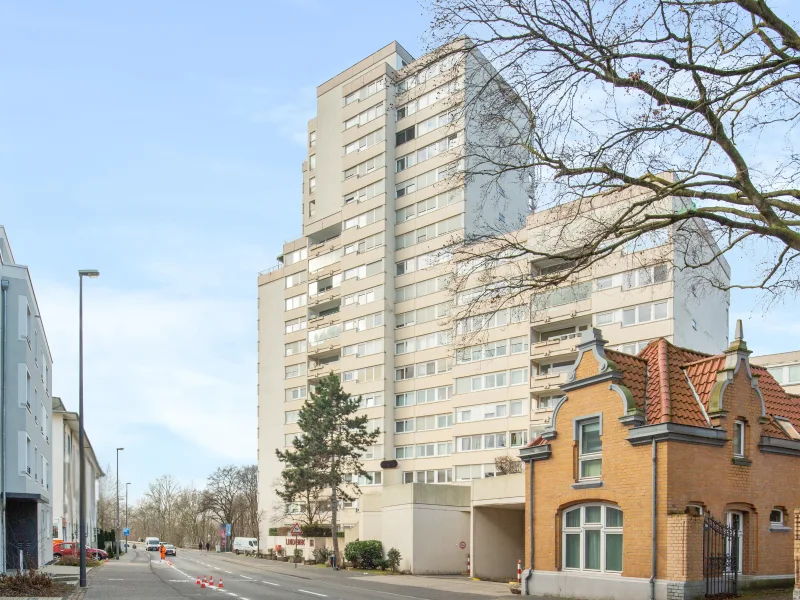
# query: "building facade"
26 372
784 367
640 453
66 478
365 293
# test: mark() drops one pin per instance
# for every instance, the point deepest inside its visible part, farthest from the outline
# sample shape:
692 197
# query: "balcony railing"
557 346
548 381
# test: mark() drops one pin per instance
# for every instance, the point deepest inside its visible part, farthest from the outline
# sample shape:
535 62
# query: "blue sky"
161 143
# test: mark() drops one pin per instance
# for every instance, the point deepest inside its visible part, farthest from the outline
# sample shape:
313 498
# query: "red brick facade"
687 404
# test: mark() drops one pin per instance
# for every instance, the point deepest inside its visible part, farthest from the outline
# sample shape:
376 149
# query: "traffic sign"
228 529
126 532
296 530
462 545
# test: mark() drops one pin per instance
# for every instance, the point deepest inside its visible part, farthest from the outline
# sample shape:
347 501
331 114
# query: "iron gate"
720 558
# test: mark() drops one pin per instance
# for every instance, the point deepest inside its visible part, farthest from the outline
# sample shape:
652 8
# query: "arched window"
592 538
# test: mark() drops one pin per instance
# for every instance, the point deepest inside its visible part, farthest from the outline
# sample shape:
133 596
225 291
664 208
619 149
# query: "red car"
72 548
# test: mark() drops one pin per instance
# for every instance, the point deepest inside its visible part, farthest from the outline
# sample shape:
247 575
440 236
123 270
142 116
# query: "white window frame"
581 530
739 427
588 456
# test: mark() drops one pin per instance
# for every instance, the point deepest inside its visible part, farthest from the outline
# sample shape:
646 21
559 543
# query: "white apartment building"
66 478
784 367
364 292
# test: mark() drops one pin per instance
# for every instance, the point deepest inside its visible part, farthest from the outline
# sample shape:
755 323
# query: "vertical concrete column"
796 595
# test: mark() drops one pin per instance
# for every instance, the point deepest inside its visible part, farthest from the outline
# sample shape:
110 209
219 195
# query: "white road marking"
232 594
229 573
312 593
218 569
246 577
116 580
270 583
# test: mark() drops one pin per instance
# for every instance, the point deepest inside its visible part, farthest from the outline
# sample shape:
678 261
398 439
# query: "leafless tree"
507 465
685 107
223 496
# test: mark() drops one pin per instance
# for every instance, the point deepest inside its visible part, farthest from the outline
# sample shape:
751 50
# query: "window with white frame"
365 116
404 426
364 271
644 276
292 257
367 141
296 279
364 92
467 472
295 324
481 412
362 168
482 352
312 185
294 348
312 139
518 438
427 99
374 425
288 439
633 347
500 318
592 538
297 370
371 478
738 439
644 313
429 232
312 162
434 449
363 348
363 194
427 179
428 205
562 296
364 323
788 427
296 393
373 452
371 400
423 342
366 218
423 315
548 402
363 297
319 336
291 416
296 301
363 375
431 422
422 288
556 367
485 441
431 476
590 448
402 452
489 381
365 245
785 374
418 156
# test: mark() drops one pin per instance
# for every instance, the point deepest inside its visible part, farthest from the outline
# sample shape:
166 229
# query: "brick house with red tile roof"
640 452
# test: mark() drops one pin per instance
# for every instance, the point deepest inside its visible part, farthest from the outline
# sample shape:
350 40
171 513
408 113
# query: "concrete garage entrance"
498 526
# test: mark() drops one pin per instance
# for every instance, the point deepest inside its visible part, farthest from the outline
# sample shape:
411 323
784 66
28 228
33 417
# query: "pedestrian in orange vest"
163 551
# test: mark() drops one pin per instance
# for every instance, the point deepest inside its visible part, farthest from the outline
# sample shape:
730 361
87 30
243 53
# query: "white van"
245 545
151 543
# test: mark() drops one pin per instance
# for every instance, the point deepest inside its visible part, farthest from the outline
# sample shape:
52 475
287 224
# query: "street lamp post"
116 525
126 515
82 496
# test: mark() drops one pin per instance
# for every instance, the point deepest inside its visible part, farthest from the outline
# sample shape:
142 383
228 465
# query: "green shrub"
393 558
298 555
363 554
281 551
273 531
381 564
316 530
323 554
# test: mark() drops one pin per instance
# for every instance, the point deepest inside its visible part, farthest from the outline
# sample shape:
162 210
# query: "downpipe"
3 360
654 508
527 582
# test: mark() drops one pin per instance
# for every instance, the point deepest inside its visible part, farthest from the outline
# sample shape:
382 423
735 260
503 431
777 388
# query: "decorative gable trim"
592 340
535 453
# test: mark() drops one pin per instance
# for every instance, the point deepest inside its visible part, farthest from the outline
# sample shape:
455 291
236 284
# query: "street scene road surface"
141 575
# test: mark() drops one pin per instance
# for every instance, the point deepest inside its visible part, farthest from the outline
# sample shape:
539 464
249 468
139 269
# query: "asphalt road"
248 579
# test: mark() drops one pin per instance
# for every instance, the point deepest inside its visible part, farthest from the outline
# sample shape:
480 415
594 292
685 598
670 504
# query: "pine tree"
329 452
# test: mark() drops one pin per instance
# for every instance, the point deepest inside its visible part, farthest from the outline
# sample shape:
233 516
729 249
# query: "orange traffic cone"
211 581
219 585
198 580
204 582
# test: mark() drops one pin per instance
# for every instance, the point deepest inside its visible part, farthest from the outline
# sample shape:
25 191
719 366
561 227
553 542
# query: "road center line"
246 577
229 573
312 593
270 583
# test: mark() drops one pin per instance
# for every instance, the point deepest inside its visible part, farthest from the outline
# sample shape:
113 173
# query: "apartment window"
297 393
406 135
318 336
294 348
499 318
364 219
604 283
373 452
429 204
434 449
312 162
429 232
368 243
480 412
374 425
296 256
368 166
427 179
289 438
644 276
365 117
786 374
295 324
467 472
363 194
432 422
547 402
365 92
371 400
431 476
644 313
592 538
297 370
312 139
738 439
562 296
633 348
590 462
406 399
519 344
369 140
518 438
291 416
364 375
424 100
364 323
515 408
371 478
363 348
401 452
437 394
296 279
404 426
296 301
312 185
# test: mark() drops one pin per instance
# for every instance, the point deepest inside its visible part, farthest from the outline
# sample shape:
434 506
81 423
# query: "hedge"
364 554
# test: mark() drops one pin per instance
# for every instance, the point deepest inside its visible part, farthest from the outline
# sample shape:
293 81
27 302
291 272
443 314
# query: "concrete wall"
497 542
438 533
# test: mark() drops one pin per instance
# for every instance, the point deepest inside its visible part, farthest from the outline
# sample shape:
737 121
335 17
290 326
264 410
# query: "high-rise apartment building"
784 367
364 292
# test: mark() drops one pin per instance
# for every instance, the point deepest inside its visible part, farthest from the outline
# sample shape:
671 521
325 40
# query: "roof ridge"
702 360
633 356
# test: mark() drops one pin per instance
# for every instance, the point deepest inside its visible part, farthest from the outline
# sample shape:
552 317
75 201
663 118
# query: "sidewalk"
131 577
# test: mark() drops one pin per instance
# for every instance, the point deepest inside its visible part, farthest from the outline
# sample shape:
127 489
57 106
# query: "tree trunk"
334 530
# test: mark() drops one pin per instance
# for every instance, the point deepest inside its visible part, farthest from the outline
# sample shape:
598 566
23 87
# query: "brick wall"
796 554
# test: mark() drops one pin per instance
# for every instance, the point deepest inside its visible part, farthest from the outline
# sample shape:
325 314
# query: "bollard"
469 568
21 562
519 572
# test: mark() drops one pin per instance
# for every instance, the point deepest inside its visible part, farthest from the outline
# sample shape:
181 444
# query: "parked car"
245 545
73 548
171 550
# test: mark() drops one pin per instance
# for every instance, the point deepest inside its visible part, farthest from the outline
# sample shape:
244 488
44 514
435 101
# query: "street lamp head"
118 449
88 273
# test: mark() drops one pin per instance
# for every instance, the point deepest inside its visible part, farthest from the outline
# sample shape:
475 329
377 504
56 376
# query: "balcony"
563 312
550 381
325 349
326 271
561 346
323 319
